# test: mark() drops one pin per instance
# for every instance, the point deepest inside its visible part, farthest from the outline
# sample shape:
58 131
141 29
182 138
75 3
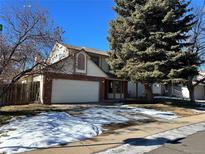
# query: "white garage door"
74 91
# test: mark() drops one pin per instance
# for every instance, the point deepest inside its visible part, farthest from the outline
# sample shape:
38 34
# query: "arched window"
81 61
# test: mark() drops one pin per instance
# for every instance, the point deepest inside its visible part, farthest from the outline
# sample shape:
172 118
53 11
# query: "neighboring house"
174 90
182 91
136 90
77 75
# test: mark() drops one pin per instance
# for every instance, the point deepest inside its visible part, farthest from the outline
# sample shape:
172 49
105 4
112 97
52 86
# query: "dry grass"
7 112
40 108
4 119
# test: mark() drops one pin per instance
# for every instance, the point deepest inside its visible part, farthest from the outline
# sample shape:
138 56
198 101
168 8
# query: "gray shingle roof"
90 50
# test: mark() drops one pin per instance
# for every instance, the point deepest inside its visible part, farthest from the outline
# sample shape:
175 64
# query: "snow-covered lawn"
56 128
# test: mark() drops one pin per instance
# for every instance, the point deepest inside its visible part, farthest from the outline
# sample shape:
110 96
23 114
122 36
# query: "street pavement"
193 144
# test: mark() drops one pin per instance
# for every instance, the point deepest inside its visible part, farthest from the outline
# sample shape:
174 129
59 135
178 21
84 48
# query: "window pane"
110 87
118 85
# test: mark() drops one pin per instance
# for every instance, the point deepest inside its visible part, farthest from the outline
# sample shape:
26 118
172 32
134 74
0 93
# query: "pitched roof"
89 50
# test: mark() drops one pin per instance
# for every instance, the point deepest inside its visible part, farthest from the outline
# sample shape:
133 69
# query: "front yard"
34 126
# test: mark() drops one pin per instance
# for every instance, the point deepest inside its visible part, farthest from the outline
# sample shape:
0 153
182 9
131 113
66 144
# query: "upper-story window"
81 61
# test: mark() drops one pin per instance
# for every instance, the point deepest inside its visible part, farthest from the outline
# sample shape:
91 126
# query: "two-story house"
77 75
82 75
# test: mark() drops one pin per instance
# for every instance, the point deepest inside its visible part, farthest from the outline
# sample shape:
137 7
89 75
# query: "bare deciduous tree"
27 38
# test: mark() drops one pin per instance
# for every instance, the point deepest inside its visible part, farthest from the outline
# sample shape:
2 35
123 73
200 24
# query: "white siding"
59 52
94 70
68 66
157 88
185 92
104 64
141 90
74 91
27 79
40 79
65 66
199 92
132 89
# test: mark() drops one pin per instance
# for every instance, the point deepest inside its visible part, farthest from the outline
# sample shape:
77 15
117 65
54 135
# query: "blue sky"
85 21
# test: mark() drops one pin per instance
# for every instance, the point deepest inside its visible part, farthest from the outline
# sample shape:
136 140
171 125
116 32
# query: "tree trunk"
191 93
190 87
148 91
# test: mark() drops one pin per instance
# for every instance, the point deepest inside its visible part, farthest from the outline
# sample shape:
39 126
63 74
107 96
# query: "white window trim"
76 68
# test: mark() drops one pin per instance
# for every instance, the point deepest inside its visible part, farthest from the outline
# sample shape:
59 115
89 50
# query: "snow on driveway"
56 128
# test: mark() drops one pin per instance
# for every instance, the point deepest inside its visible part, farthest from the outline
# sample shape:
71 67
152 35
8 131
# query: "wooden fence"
20 93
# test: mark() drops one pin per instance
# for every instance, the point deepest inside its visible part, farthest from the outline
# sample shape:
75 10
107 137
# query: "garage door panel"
74 91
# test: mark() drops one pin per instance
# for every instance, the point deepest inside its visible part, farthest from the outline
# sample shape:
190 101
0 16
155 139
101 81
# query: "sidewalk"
193 144
119 137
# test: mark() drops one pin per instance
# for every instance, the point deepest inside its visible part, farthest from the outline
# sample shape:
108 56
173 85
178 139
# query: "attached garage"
74 91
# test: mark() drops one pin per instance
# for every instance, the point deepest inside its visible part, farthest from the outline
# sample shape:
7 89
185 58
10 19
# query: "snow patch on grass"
44 130
111 115
153 113
56 128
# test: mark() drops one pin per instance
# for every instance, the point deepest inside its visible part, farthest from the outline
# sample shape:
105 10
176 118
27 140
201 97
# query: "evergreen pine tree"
147 40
